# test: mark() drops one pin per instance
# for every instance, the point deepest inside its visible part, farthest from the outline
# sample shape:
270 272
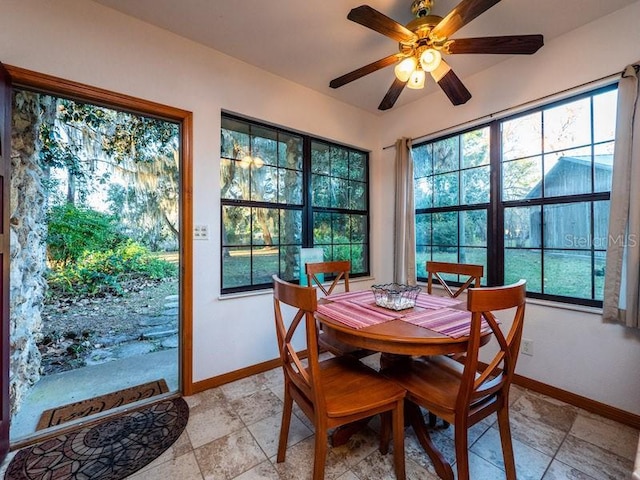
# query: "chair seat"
351 388
432 382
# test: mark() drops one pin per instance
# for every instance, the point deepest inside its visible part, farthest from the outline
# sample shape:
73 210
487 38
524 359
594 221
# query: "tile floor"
233 430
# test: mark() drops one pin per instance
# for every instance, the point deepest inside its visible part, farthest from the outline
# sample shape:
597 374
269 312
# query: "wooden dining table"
435 326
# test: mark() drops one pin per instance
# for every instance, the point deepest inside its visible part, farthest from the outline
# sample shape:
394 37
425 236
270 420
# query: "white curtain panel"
622 277
404 265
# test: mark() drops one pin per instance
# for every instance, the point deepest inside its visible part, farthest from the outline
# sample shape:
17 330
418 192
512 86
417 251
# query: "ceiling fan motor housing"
420 8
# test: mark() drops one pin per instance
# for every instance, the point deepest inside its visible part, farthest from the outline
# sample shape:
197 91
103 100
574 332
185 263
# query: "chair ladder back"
482 303
305 300
340 268
436 269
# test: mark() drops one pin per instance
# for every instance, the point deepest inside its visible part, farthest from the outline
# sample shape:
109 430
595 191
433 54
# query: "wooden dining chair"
339 269
464 394
333 392
472 273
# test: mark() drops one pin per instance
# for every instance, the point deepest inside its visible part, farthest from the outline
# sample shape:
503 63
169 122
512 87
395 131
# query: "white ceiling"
312 42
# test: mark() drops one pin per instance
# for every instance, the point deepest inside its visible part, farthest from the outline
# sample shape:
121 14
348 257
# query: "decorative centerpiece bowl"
396 296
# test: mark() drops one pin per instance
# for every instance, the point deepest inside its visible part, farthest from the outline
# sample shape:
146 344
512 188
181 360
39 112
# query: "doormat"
84 408
109 450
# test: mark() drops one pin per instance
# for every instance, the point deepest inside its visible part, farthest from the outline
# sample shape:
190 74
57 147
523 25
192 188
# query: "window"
526 196
282 191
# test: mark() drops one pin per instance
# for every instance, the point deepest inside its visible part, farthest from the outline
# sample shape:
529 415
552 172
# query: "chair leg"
320 450
461 440
385 431
397 416
284 426
507 445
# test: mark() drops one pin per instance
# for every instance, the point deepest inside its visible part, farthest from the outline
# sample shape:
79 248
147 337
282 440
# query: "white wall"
573 350
87 43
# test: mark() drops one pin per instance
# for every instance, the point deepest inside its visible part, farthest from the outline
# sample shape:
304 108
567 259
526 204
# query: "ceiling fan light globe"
430 59
416 81
405 68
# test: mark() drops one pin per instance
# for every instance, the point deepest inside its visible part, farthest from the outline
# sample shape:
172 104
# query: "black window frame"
495 271
306 208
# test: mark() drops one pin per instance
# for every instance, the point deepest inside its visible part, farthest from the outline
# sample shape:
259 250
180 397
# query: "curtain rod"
515 109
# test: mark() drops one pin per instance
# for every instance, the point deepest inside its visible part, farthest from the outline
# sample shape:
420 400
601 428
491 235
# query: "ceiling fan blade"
451 84
362 71
515 44
392 95
462 14
373 19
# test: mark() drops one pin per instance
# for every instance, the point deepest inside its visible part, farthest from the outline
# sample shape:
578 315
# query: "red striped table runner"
450 322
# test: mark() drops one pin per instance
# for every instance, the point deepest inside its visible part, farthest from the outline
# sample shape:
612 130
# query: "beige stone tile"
545 410
229 456
530 463
442 440
608 434
245 386
298 464
534 433
256 406
184 467
349 475
210 419
593 460
181 447
274 378
559 471
359 446
262 471
267 432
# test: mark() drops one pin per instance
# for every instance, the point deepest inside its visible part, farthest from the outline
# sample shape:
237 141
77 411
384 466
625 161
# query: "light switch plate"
201 232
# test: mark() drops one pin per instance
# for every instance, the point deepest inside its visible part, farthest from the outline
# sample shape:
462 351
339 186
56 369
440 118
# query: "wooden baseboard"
579 401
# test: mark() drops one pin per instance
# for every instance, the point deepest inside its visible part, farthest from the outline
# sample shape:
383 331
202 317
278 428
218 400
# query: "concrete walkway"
87 382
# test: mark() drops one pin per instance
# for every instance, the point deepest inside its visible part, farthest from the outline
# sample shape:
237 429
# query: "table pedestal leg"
443 469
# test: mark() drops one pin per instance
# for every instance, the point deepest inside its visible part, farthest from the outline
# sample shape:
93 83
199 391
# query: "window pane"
567 173
567 273
423 191
475 185
422 161
339 192
567 125
359 259
290 187
339 162
445 254
321 228
475 148
357 196
445 228
423 254
446 155
320 162
598 274
603 166
601 225
265 264
289 267
234 180
567 225
358 228
290 151
236 225
604 116
264 184
423 229
320 191
265 226
522 179
445 190
291 227
340 228
522 227
476 256
473 228
357 166
236 267
521 137
525 264
264 145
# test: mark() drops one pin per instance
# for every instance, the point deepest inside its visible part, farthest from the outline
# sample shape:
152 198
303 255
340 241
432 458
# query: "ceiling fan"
424 40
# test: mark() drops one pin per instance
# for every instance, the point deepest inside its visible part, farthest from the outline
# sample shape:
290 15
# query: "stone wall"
28 249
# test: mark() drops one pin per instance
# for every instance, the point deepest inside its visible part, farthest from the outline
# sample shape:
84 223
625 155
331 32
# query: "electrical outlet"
201 232
527 347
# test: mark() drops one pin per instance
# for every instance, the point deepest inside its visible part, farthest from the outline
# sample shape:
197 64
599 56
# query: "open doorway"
104 211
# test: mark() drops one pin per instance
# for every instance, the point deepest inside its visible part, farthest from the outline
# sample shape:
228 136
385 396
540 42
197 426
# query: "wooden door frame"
66 88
